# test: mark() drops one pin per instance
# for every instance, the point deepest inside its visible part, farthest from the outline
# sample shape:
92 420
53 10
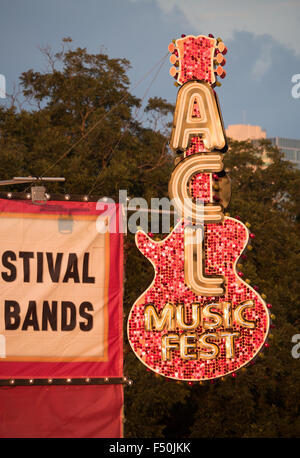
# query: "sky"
262 37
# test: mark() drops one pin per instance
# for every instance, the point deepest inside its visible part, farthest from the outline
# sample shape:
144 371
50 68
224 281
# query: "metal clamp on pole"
38 192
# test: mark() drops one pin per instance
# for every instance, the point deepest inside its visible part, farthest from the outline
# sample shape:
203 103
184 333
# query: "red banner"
61 290
61 411
61 277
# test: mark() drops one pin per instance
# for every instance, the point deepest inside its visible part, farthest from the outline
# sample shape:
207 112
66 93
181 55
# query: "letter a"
208 124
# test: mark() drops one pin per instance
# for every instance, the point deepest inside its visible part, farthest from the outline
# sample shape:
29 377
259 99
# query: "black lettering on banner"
89 318
85 270
40 267
72 269
11 267
49 316
54 268
11 315
68 320
26 255
31 318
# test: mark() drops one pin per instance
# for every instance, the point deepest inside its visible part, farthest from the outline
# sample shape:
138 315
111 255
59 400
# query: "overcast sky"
262 37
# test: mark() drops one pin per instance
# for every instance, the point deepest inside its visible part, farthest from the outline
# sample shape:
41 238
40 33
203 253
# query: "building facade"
289 147
242 132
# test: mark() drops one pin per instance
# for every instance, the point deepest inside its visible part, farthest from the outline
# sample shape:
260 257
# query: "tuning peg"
223 74
220 71
173 71
173 59
171 47
220 58
222 48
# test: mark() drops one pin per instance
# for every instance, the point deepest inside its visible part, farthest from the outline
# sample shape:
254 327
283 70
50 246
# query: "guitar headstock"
197 58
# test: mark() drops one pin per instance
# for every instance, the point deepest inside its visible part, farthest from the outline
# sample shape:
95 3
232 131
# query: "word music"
212 316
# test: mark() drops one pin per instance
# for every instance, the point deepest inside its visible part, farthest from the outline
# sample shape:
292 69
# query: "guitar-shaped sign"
198 320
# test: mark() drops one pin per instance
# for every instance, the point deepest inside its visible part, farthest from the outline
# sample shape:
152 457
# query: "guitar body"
225 243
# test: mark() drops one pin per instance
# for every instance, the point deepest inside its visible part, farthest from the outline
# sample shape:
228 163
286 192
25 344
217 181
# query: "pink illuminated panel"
200 187
196 58
196 146
200 183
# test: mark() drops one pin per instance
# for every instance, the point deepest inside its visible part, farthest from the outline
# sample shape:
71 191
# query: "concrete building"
289 147
242 132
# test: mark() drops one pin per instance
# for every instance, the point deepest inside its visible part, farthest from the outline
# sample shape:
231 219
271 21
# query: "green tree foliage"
84 113
82 123
262 401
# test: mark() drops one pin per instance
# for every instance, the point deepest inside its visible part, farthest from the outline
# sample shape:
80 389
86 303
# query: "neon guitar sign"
198 320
